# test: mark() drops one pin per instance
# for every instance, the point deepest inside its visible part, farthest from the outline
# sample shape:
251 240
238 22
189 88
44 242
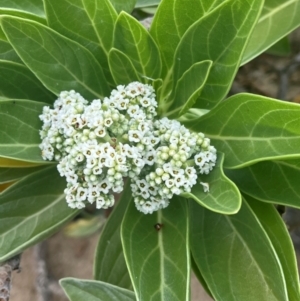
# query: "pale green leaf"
19 130
270 181
78 290
13 174
146 3
235 256
18 82
7 53
281 240
121 5
278 18
35 7
122 68
221 37
131 38
223 196
110 265
250 128
158 260
31 210
88 22
60 64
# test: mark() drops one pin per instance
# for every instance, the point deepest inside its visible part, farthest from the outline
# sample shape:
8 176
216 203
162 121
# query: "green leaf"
122 68
31 210
30 6
146 3
235 256
188 89
131 38
278 18
13 174
281 48
220 36
110 265
158 260
250 128
19 130
281 240
78 290
18 82
121 5
59 63
270 181
7 52
223 196
88 22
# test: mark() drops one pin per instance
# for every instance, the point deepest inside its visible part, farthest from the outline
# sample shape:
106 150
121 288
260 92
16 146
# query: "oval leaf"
110 265
7 53
158 259
78 290
59 63
31 210
235 256
32 6
223 196
251 128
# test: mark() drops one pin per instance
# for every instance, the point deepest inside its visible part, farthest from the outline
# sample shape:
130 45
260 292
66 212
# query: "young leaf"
122 68
110 265
13 174
188 88
221 37
250 128
78 290
18 82
131 38
59 63
253 181
223 196
235 256
278 18
19 130
157 252
281 240
88 22
31 210
7 53
31 6
121 5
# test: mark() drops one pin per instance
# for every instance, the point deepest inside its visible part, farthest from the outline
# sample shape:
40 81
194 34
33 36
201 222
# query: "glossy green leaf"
278 18
121 5
110 265
223 196
13 174
88 22
220 36
158 260
281 240
78 290
235 256
122 68
19 130
134 41
7 53
250 128
60 64
188 89
31 210
31 6
281 48
270 181
18 82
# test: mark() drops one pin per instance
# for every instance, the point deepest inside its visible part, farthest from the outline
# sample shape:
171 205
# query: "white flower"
205 186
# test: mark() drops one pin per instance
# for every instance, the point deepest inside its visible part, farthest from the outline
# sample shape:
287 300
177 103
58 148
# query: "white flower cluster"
101 143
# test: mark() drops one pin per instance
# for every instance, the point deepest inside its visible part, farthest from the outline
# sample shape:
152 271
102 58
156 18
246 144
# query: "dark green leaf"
13 174
158 260
270 181
121 5
250 128
18 82
135 42
281 240
60 64
221 37
78 290
281 48
223 196
31 210
31 6
7 52
110 265
235 256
